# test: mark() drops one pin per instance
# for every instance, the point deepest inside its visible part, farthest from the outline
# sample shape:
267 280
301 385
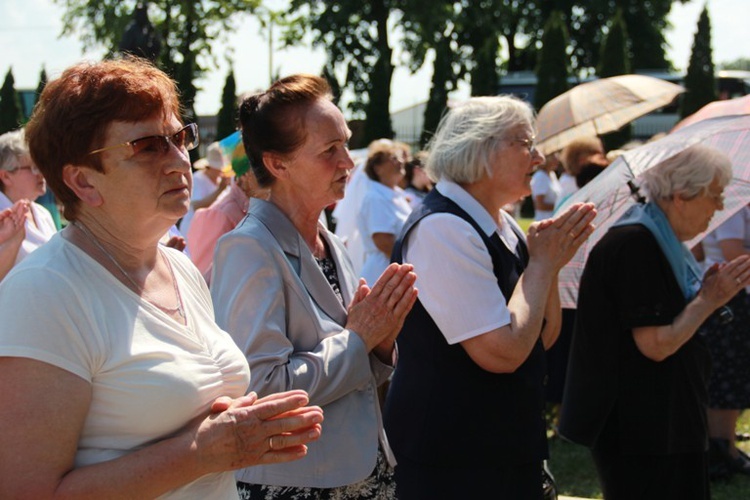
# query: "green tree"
355 37
742 64
227 118
10 105
429 26
186 29
330 75
483 25
42 83
647 22
700 85
615 57
552 67
615 60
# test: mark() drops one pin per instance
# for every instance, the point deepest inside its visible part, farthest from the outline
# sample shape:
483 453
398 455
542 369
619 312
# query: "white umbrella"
600 106
611 193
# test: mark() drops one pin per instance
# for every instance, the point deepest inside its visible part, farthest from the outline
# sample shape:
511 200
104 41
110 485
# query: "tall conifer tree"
700 83
227 118
552 69
10 105
614 60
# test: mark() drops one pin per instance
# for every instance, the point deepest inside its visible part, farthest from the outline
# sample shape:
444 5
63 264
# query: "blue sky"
29 35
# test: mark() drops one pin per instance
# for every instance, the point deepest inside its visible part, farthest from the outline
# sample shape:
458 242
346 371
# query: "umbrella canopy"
611 193
600 106
737 106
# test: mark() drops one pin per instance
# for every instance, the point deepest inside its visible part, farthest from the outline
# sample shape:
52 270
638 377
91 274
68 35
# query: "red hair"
74 113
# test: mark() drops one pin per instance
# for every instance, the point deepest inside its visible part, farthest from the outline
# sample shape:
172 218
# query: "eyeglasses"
186 138
31 168
529 144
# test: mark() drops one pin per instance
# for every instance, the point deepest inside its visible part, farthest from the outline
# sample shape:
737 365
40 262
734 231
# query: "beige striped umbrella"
600 106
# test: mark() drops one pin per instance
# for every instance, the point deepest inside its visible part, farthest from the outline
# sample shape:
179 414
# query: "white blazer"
272 297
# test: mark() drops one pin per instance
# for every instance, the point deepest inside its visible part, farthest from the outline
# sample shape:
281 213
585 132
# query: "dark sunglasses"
186 138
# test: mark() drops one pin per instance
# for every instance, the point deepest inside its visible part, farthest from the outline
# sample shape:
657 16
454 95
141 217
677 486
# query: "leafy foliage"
42 83
615 60
552 67
187 29
355 37
227 118
430 26
615 57
10 105
700 84
646 21
742 63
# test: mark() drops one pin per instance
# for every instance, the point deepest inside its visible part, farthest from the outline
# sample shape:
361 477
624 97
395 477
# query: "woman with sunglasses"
116 381
21 180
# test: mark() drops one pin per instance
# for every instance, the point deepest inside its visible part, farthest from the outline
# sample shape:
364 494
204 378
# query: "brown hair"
375 159
273 121
74 112
579 152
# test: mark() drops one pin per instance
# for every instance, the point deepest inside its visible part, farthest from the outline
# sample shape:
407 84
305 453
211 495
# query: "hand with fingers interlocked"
378 314
250 431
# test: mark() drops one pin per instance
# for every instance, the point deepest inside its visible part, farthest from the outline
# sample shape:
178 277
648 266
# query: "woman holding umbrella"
636 386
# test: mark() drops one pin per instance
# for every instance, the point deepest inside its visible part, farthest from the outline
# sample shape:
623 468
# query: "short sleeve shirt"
452 263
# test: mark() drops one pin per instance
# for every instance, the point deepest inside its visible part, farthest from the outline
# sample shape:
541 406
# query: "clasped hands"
250 431
378 314
723 281
12 222
557 240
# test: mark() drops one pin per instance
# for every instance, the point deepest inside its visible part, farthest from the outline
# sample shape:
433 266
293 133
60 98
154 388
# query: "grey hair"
689 173
12 145
465 139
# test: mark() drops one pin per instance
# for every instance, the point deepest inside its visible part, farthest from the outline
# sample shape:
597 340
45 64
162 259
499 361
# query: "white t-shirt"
383 210
568 187
455 279
149 374
36 236
737 227
546 184
345 213
202 187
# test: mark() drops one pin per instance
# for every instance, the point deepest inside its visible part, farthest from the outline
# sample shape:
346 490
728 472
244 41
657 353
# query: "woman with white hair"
488 306
636 386
20 179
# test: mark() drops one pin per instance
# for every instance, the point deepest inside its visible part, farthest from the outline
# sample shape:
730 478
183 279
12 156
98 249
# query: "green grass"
576 476
524 223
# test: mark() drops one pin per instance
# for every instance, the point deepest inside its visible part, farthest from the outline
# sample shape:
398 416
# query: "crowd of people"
201 331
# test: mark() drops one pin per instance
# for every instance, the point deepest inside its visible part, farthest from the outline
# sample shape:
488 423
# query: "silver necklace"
169 310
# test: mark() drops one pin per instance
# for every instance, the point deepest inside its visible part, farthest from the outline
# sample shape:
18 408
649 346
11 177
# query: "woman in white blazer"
285 289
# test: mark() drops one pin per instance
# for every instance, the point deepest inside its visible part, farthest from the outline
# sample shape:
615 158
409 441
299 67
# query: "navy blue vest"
442 408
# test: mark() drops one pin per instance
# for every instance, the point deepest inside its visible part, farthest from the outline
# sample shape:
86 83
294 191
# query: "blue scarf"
684 265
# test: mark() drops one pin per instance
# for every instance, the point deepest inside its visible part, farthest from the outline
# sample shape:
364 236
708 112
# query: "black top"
442 408
615 397
328 268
